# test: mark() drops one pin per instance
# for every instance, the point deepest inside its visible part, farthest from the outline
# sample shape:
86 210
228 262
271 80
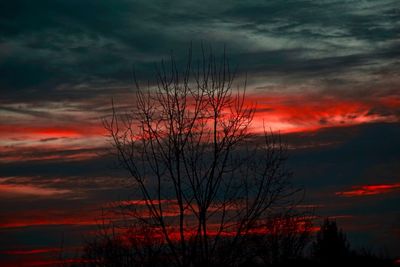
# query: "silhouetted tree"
331 244
281 245
207 181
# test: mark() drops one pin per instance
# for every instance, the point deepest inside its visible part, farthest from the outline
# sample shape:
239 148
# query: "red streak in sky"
42 131
47 222
284 112
47 132
287 113
298 113
14 190
30 251
367 190
65 262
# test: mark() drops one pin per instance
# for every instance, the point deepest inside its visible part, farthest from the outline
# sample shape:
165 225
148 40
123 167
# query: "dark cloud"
338 159
346 156
49 44
59 168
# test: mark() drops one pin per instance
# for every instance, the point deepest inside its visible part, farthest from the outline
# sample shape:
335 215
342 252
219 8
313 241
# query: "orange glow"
367 190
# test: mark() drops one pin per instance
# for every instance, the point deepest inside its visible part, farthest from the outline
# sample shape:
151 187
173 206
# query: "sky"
325 74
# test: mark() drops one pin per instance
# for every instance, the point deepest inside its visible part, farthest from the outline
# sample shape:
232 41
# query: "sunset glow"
367 190
322 78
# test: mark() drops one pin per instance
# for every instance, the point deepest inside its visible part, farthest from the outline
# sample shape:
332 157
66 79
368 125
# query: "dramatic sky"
325 73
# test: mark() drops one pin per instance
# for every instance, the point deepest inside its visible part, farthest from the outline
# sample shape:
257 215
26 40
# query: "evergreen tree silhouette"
331 244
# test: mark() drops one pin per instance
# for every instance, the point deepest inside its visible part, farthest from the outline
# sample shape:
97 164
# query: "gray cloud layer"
59 44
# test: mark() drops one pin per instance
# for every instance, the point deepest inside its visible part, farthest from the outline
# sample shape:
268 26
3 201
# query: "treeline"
285 244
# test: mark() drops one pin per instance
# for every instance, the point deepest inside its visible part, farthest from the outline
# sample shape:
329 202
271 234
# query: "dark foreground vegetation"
287 246
211 189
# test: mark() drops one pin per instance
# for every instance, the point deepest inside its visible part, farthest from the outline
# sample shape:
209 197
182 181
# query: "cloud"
367 190
11 190
37 222
68 45
30 251
310 111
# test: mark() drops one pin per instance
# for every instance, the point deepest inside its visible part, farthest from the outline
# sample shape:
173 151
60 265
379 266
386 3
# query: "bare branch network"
207 182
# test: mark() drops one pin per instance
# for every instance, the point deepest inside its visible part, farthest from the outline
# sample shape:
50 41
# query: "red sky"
325 74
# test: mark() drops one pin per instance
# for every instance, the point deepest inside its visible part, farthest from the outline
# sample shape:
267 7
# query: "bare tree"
207 181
